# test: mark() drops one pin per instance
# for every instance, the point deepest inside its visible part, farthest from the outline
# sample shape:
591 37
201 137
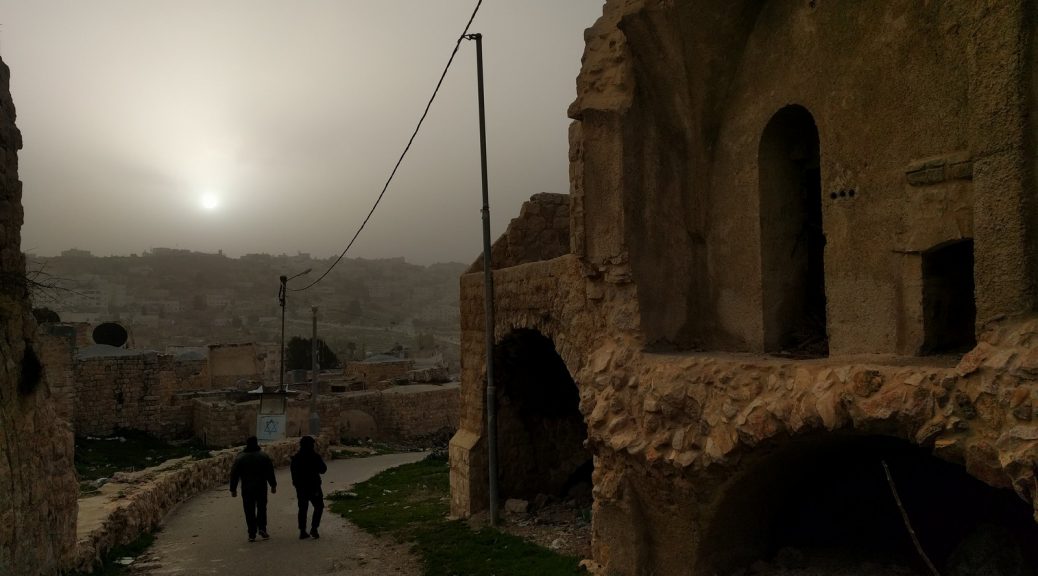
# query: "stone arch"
792 238
540 429
825 502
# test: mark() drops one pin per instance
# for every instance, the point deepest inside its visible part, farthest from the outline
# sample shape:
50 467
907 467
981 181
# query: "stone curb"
145 497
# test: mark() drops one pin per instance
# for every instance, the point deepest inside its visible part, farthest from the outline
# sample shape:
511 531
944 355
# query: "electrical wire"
400 160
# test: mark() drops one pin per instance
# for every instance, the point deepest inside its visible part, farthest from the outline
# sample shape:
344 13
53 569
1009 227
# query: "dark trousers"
310 496
255 511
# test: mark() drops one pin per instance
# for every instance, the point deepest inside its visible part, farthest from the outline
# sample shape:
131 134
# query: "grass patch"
110 565
400 500
126 450
410 503
354 448
453 549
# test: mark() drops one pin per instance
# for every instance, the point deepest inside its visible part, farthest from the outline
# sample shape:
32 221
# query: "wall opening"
541 431
32 371
826 507
792 239
949 304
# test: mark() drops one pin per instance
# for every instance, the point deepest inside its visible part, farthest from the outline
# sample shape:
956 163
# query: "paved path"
207 535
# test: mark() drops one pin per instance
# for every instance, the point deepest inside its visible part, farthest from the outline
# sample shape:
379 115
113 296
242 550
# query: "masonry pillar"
1000 66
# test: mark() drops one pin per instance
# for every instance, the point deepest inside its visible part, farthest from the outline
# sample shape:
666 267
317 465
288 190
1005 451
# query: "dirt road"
207 535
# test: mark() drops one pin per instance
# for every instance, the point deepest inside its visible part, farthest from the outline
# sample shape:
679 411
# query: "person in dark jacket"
307 467
255 469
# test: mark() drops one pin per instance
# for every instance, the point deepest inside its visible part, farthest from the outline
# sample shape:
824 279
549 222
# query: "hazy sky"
139 116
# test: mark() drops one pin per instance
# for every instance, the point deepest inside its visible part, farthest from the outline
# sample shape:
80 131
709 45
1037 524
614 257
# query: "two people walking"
255 470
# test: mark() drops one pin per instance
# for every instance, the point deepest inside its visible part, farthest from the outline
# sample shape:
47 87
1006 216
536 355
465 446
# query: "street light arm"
303 273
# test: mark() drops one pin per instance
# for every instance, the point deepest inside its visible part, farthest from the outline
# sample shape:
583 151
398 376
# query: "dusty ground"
792 562
562 527
207 535
364 555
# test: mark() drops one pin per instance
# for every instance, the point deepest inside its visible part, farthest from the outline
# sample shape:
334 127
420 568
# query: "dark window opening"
826 507
949 305
32 371
792 238
541 431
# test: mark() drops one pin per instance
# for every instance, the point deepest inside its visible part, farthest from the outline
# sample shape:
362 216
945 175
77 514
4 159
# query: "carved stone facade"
804 245
37 481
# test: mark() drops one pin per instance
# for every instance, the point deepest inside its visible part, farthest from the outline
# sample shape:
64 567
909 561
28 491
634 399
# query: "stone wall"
138 392
133 503
231 364
56 345
375 372
404 416
84 333
541 232
37 482
402 413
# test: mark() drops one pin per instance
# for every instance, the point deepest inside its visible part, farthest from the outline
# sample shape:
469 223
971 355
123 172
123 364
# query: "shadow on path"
207 535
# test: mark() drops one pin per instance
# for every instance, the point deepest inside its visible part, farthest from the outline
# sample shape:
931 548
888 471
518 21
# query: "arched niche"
792 239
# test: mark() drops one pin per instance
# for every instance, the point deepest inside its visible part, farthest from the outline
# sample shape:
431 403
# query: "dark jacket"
307 467
255 470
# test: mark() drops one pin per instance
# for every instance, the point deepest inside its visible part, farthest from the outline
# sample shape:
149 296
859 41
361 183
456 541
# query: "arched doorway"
541 431
825 506
792 238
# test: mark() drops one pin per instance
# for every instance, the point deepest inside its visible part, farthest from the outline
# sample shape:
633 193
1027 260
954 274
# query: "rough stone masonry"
803 243
38 487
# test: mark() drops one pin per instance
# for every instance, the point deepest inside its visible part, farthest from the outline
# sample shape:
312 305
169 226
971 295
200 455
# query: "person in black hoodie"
255 469
307 467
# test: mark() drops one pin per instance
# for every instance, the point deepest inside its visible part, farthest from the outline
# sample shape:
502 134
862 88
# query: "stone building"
38 487
803 250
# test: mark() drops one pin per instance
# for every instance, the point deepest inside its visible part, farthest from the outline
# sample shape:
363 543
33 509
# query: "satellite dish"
111 333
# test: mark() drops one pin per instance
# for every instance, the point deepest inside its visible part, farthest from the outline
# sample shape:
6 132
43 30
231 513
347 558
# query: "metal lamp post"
488 290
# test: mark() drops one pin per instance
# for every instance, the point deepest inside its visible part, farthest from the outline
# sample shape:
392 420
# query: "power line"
400 160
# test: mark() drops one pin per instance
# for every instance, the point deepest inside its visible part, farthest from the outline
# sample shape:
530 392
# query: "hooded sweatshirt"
255 469
307 467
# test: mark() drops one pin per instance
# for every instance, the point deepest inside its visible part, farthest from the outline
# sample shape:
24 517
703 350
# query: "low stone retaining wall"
398 414
136 502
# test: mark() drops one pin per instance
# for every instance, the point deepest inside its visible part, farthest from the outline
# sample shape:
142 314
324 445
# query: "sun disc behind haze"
209 202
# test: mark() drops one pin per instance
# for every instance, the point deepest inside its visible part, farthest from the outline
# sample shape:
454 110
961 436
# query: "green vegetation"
410 503
110 565
126 450
354 448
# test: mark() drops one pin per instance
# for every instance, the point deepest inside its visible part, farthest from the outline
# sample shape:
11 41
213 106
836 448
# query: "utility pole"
315 418
488 290
282 296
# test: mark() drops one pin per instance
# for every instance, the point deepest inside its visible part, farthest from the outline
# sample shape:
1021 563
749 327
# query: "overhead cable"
400 160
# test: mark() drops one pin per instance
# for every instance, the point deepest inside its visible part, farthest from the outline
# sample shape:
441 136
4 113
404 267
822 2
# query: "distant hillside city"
170 298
